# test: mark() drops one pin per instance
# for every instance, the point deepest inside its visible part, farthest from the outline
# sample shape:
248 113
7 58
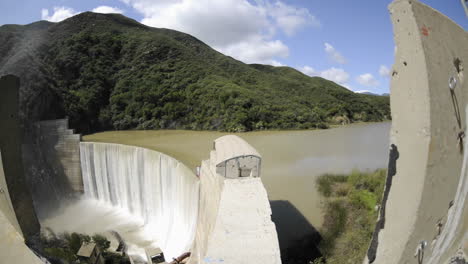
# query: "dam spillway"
222 216
151 185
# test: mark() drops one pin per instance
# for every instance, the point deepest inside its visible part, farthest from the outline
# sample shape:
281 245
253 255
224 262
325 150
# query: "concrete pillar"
10 144
5 202
429 119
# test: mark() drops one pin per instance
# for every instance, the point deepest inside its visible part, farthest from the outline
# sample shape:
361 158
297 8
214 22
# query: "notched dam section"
150 185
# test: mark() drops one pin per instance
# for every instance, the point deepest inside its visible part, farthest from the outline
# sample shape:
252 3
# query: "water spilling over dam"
150 185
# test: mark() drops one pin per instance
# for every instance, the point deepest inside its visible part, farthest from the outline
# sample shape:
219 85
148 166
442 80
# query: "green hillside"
111 72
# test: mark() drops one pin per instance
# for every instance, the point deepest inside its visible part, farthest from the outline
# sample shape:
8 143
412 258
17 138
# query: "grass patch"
350 214
326 181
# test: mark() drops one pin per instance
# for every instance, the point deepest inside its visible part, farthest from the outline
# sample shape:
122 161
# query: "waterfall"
153 186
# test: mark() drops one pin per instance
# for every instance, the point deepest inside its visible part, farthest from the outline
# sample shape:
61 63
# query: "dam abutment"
11 136
426 212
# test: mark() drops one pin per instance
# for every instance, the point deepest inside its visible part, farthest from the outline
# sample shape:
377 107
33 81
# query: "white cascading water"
150 185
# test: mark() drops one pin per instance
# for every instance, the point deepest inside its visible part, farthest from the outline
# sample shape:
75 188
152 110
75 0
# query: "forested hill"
111 72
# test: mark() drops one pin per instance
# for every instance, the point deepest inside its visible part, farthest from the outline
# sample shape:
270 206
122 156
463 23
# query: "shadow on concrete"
298 239
45 175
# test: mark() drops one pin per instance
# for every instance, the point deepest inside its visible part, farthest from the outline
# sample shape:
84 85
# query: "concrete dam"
150 185
180 208
205 214
221 214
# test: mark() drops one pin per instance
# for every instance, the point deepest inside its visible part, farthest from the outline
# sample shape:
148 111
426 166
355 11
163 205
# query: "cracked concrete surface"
429 123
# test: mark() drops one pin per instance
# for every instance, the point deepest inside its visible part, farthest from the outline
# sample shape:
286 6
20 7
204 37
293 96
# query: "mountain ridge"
107 71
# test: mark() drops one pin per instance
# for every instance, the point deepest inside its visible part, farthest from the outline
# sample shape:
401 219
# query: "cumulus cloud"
384 71
256 50
337 75
108 10
239 28
60 13
276 63
290 19
367 79
363 91
333 54
309 71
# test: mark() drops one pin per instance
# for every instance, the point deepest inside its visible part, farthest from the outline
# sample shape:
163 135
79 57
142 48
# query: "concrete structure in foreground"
234 217
12 246
425 217
17 216
10 145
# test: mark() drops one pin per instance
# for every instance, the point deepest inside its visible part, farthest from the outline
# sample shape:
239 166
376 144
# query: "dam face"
150 185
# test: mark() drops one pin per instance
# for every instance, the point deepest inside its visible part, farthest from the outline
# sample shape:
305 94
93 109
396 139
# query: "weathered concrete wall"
210 195
62 149
427 128
10 145
5 202
12 247
234 220
52 164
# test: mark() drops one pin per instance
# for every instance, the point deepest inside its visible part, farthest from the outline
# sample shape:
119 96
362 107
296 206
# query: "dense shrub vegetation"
351 203
63 248
110 72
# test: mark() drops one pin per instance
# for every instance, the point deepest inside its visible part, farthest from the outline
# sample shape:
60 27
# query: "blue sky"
349 42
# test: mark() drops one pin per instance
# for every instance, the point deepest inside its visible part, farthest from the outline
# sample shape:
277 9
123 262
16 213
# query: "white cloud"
384 71
309 71
108 10
363 91
276 63
256 50
60 13
242 29
289 18
367 79
347 86
334 54
337 75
